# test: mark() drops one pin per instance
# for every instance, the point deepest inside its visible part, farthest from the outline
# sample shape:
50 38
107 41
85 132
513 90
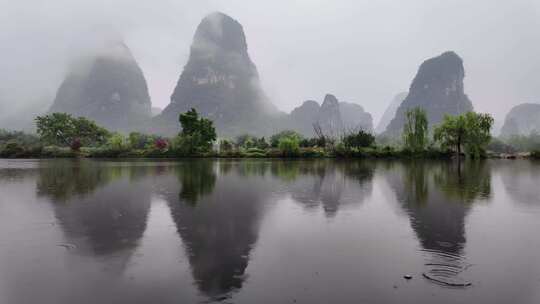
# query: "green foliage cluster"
18 137
63 130
15 144
289 134
470 131
141 141
289 146
415 130
58 132
197 135
360 139
247 141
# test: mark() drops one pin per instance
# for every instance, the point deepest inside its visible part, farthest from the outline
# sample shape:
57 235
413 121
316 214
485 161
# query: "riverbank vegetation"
61 135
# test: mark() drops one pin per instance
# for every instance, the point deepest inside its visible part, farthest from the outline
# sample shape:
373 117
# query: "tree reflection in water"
437 197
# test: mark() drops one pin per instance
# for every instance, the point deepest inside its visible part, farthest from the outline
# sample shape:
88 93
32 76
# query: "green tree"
261 143
289 146
197 134
62 129
276 138
118 142
358 140
225 145
415 130
141 141
469 131
241 140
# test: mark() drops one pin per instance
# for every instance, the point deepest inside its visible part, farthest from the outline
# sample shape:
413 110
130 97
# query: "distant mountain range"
222 83
332 115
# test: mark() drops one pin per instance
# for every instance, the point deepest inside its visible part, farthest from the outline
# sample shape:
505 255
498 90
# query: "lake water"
261 231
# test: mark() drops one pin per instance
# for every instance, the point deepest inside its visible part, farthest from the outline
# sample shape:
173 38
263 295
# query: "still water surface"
259 231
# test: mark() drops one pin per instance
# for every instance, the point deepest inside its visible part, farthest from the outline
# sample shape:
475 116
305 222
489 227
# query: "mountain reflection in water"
437 197
268 231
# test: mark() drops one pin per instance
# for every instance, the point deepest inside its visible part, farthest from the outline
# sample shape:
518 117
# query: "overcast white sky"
361 51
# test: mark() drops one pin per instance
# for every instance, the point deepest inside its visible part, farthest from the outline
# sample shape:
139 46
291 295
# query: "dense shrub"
57 152
312 142
225 146
140 141
289 146
276 138
360 139
75 144
11 149
117 142
312 152
161 144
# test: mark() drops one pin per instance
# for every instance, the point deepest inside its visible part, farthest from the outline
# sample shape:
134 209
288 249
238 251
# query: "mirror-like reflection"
218 221
437 197
327 184
521 181
268 231
102 210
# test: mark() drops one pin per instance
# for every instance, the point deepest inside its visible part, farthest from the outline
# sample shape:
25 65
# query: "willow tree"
415 130
469 131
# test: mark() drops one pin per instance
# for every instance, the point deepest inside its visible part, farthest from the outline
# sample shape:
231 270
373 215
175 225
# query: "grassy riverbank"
302 153
60 135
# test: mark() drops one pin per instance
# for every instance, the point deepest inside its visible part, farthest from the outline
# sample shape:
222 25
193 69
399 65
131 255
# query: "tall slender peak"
330 116
106 85
438 89
329 101
220 81
219 32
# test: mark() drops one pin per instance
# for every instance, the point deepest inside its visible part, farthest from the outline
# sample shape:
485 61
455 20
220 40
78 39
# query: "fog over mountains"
220 81
363 52
523 119
108 87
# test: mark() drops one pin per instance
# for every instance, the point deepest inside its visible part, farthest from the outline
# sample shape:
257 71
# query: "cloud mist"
362 51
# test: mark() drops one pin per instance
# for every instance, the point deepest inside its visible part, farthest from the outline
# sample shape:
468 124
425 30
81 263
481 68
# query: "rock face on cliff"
329 117
438 89
107 86
303 117
220 81
390 112
333 116
354 117
522 119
